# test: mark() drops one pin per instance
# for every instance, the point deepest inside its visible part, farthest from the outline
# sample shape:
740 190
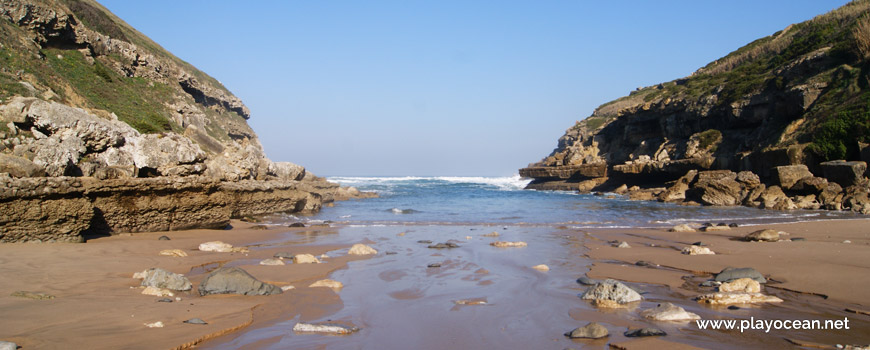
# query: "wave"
514 182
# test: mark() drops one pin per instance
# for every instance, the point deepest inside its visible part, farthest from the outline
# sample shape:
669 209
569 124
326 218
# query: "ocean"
502 200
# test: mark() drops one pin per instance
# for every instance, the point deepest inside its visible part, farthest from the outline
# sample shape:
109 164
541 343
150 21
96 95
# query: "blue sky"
464 88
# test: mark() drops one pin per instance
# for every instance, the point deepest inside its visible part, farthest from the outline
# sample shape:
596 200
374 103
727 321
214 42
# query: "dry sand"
98 304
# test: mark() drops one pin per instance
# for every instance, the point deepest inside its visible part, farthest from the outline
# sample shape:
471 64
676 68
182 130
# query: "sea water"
503 200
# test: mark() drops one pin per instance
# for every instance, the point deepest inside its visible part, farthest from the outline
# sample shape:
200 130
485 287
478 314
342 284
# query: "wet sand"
480 296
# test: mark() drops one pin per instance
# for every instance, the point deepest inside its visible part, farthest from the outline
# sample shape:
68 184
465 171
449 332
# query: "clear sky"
464 88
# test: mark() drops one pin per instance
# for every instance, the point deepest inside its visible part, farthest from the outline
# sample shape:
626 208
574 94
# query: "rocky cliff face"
797 97
103 131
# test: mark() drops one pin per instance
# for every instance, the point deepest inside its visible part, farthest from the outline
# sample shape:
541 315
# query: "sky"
437 88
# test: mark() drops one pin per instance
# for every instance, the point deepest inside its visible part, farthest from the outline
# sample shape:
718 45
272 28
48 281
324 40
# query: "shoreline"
92 284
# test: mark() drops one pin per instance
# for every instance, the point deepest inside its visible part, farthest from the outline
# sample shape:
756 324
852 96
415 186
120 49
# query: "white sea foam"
503 183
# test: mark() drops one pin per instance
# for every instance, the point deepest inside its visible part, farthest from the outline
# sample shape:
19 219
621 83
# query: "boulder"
328 283
160 278
737 298
167 154
774 198
361 249
173 252
748 179
8 345
234 280
272 262
731 273
57 156
767 235
157 292
505 244
844 173
645 332
787 176
669 312
832 197
807 202
19 167
115 172
541 267
287 171
682 228
696 250
611 293
810 185
677 192
591 330
327 328
305 259
741 285
216 246
718 187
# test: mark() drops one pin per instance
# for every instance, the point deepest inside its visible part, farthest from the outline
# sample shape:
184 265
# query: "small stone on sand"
682 228
763 236
622 244
173 252
272 262
196 321
158 292
32 295
541 267
697 250
157 324
591 330
335 285
506 244
305 259
361 249
324 328
492 234
741 285
286 288
216 246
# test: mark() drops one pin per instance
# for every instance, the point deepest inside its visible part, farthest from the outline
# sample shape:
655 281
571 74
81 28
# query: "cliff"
797 97
93 115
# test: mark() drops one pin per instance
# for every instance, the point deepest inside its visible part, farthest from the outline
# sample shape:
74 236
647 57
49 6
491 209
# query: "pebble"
623 244
157 324
847 241
391 253
286 288
541 267
434 265
492 234
361 249
699 243
710 283
733 307
643 263
506 244
196 321
324 328
592 330
798 239
444 245
272 262
32 295
305 259
164 300
283 255
296 224
164 238
733 225
335 285
424 241
173 252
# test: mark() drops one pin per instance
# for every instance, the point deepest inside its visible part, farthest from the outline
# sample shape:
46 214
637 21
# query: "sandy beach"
98 305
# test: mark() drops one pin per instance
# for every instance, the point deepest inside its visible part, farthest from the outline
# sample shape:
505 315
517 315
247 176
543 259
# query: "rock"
157 324
586 281
272 262
445 245
305 259
669 312
774 198
164 300
328 283
847 242
715 228
591 330
711 283
157 292
645 332
195 321
622 189
259 227
733 225
699 243
682 228
286 288
622 244
741 285
810 185
424 241
611 293
644 263
732 307
433 265
505 244
731 273
324 328
677 192
233 280
167 154
492 234
767 235
719 187
164 238
216 246
287 171
541 267
19 166
361 249
173 252
697 250
737 298
788 175
748 179
806 202
798 239
8 345
844 173
283 255
470 302
32 295
160 278
296 224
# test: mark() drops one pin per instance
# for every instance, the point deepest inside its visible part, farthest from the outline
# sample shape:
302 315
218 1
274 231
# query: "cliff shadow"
98 228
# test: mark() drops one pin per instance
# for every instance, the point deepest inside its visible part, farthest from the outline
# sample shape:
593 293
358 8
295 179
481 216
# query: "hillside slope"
800 96
91 110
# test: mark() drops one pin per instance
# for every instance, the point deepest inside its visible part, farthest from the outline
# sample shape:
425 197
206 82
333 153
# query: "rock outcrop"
110 133
760 122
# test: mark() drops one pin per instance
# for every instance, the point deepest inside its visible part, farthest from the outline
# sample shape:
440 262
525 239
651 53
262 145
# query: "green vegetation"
593 123
838 136
95 19
708 138
135 101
